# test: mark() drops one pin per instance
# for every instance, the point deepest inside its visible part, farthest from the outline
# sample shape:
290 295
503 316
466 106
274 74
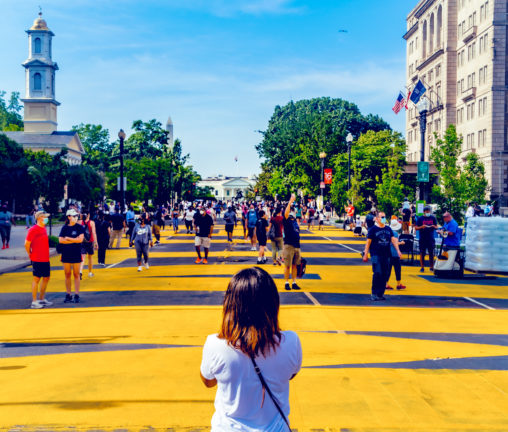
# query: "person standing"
189 217
230 222
89 243
426 225
203 224
310 217
252 218
276 242
379 239
406 216
291 251
250 345
261 228
175 215
30 216
394 259
130 219
118 227
141 239
37 248
70 238
103 230
6 221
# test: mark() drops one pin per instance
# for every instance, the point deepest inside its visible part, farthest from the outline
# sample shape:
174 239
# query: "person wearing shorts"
203 224
87 247
261 234
291 251
70 239
37 248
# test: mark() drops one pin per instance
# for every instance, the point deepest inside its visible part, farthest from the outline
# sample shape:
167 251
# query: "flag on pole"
418 92
236 158
407 99
399 104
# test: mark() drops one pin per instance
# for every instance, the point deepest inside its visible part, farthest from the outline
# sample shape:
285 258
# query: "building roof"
55 139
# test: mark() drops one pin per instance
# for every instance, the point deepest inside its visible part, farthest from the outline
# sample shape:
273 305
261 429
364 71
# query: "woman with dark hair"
250 338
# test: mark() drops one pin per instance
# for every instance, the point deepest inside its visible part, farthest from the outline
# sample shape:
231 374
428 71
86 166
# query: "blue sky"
218 67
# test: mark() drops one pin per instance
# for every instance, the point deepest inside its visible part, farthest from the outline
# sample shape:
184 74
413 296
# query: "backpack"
252 218
271 232
301 268
86 232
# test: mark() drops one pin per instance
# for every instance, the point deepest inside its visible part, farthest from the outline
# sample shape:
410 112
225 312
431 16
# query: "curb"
22 264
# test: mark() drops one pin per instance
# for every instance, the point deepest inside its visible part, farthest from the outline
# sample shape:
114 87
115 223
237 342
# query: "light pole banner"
328 176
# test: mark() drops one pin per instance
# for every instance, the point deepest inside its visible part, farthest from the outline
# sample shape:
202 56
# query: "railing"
469 34
469 93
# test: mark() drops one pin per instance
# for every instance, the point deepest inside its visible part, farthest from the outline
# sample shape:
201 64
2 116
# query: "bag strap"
265 386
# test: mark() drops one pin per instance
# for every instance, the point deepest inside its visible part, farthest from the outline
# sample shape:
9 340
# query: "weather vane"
40 11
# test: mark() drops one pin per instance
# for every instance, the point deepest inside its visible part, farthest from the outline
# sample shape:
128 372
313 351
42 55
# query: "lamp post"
121 136
322 156
423 108
349 140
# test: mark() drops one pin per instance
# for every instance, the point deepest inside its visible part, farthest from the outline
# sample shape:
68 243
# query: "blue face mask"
45 221
383 220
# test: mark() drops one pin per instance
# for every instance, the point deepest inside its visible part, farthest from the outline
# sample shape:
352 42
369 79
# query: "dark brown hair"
250 319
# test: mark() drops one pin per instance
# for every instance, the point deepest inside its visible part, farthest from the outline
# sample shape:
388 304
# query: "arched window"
37 81
424 42
431 34
439 26
37 46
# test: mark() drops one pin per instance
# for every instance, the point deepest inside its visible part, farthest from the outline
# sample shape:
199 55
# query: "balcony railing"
469 34
469 93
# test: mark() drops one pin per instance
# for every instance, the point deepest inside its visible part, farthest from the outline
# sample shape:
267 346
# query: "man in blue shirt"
450 230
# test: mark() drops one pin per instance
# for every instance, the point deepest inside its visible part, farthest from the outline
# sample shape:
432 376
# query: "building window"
424 43
37 46
37 81
431 34
439 25
438 71
227 192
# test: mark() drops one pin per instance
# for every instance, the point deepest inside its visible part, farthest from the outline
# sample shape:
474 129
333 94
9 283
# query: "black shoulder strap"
265 386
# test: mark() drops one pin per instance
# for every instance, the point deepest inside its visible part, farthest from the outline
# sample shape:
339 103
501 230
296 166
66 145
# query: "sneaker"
264 260
45 302
377 298
3 247
295 286
260 262
198 260
76 298
401 287
275 263
68 298
36 305
7 246
287 287
253 248
205 261
90 274
388 287
140 268
147 266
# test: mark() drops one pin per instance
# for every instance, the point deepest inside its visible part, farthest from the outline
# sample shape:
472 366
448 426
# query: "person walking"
379 239
37 248
89 243
250 360
291 250
118 224
426 225
130 219
30 216
175 215
189 217
230 222
251 219
103 231
261 229
70 238
203 224
395 225
6 221
141 238
276 241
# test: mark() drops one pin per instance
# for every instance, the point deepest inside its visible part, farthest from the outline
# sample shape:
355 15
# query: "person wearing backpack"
89 243
230 221
251 219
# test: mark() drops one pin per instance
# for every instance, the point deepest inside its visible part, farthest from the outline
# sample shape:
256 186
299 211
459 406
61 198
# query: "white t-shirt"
239 391
189 215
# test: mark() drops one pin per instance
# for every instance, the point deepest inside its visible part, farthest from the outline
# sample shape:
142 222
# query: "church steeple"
40 104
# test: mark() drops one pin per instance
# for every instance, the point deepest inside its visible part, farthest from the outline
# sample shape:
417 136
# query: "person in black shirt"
70 238
291 250
118 223
426 225
203 224
103 229
369 219
261 228
379 239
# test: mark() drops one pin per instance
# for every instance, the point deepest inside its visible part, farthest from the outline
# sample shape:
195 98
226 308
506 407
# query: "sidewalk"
16 257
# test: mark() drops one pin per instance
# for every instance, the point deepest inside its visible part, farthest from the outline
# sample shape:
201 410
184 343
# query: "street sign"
322 185
328 176
419 208
423 172
124 183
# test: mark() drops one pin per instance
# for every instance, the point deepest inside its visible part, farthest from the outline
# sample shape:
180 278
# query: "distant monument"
169 128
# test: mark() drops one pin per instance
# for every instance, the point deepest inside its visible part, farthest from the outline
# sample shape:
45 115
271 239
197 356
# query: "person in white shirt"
189 218
250 334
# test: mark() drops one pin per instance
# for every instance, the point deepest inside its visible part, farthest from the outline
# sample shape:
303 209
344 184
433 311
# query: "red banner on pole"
328 176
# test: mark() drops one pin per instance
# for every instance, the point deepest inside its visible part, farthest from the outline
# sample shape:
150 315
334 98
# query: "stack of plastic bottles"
487 244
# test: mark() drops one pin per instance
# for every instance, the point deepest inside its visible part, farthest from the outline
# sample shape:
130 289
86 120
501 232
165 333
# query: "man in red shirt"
37 248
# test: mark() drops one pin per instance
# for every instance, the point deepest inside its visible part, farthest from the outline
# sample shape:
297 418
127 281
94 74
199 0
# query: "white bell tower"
40 114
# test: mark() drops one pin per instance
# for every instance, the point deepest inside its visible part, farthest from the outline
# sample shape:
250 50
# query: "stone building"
40 106
457 48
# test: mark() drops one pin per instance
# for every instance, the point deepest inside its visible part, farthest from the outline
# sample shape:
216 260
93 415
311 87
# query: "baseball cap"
71 212
40 213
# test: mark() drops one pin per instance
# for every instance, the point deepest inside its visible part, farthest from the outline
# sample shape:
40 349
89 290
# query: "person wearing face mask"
379 241
426 225
37 248
203 225
71 237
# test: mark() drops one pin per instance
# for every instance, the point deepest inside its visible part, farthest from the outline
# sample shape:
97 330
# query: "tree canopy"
10 117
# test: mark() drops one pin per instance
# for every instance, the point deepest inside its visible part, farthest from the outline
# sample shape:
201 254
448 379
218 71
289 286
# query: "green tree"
98 149
10 117
389 191
299 131
472 177
149 140
85 185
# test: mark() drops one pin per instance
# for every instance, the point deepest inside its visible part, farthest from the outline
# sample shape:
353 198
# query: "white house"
227 188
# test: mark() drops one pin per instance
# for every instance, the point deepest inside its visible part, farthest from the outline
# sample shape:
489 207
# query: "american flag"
236 158
399 104
407 99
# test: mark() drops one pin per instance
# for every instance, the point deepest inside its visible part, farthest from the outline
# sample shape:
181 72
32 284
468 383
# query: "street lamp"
423 107
322 156
121 136
349 140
